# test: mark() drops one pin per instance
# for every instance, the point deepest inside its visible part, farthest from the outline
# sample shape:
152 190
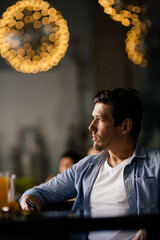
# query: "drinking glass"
6 188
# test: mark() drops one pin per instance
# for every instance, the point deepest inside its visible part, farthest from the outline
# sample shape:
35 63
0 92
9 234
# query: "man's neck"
121 153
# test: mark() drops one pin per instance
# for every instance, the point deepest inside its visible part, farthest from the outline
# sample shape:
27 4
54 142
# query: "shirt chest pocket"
147 191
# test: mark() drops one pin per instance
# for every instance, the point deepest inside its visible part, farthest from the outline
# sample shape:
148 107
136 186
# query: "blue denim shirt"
141 180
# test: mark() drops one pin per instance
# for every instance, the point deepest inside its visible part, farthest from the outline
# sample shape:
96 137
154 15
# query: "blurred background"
43 115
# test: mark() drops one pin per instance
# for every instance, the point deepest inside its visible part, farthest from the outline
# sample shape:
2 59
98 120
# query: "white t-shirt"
109 193
108 189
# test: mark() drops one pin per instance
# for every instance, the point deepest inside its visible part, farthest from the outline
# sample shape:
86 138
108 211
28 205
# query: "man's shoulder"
152 152
91 159
146 152
148 161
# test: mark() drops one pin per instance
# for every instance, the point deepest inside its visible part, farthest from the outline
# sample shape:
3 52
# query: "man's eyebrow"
95 114
98 115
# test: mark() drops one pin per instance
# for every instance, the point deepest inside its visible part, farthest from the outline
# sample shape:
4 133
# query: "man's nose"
91 126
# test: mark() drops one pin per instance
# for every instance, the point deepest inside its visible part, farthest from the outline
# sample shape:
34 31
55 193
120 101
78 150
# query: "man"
123 175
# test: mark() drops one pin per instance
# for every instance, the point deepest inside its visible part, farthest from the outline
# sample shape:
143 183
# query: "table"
75 225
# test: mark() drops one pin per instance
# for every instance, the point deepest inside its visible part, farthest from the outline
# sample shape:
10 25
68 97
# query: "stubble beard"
98 147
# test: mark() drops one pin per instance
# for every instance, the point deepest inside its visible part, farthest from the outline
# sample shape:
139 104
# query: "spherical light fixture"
33 36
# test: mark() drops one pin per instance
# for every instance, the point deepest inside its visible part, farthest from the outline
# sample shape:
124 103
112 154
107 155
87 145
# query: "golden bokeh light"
134 17
33 36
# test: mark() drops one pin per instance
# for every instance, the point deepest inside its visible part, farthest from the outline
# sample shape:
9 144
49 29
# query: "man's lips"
94 137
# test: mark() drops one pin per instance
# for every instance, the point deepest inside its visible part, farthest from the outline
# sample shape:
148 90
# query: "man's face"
104 134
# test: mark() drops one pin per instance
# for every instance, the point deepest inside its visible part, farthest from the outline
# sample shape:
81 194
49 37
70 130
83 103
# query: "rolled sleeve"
56 190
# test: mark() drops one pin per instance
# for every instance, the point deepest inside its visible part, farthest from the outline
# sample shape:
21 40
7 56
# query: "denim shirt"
141 180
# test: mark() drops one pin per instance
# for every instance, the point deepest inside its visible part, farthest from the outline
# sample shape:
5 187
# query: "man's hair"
125 103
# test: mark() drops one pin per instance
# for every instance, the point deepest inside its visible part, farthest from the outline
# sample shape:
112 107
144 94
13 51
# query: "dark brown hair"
125 103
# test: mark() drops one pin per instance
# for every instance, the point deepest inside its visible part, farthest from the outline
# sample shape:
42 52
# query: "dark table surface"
64 224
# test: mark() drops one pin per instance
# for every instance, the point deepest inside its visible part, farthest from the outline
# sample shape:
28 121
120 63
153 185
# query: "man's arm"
58 189
141 235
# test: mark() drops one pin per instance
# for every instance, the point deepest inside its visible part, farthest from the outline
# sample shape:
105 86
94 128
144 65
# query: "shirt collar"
100 157
139 151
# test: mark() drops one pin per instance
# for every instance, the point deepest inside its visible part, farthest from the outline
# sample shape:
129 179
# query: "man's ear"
127 126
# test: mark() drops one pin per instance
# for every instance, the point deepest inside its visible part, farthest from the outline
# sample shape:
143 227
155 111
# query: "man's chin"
97 147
